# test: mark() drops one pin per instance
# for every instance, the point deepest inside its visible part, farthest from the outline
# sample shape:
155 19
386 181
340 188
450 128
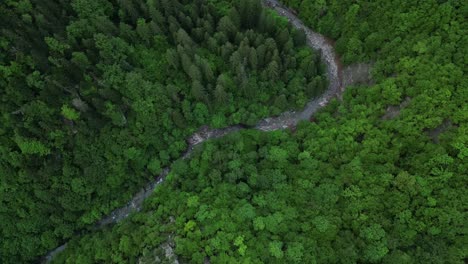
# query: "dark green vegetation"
352 187
98 96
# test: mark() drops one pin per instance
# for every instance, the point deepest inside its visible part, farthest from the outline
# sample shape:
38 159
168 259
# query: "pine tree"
128 10
143 31
282 37
299 37
183 38
185 60
220 95
234 17
244 49
173 92
207 71
198 91
253 60
198 35
261 55
267 23
195 73
310 69
249 11
226 26
155 13
281 102
168 6
209 25
227 50
273 71
155 29
172 58
178 119
185 21
104 24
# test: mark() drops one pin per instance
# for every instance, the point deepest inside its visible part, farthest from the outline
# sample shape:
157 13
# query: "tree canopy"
97 96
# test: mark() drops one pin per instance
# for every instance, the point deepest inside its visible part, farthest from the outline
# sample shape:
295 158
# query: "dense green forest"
98 96
355 186
286 198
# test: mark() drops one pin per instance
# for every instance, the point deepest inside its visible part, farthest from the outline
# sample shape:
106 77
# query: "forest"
97 97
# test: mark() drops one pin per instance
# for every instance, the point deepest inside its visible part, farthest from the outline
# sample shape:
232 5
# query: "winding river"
285 120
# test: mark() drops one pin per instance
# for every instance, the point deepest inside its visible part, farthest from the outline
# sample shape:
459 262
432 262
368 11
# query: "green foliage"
99 96
154 166
349 187
32 146
327 207
70 113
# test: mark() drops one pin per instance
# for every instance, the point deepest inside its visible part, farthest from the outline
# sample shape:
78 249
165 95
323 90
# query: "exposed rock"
359 73
434 133
394 111
161 254
80 105
54 252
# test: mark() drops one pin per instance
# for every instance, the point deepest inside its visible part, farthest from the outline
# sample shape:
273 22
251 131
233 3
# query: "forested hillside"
377 178
98 96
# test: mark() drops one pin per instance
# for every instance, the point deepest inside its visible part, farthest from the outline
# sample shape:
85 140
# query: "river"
283 121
